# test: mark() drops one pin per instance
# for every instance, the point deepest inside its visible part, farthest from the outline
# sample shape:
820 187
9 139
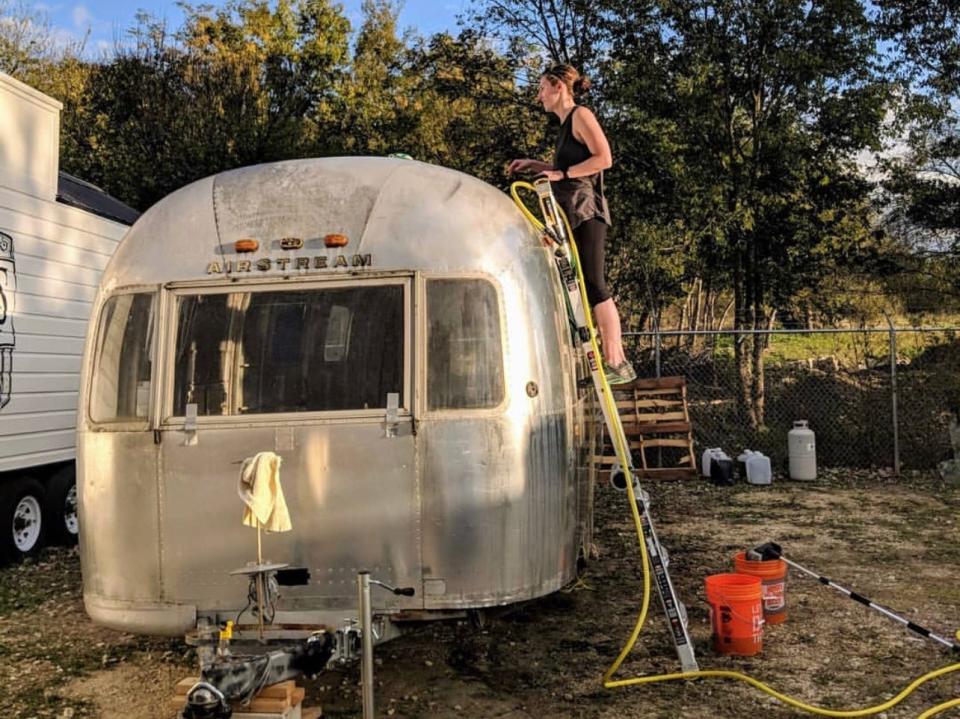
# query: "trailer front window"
464 359
314 350
121 384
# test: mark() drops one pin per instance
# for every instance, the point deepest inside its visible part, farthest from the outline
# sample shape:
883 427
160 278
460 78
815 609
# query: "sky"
108 19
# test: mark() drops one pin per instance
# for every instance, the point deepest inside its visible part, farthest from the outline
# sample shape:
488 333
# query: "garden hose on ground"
608 681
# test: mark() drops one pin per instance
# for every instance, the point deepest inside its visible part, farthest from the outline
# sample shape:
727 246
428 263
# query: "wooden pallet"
654 415
276 700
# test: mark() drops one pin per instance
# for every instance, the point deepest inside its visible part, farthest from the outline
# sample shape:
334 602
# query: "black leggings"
589 236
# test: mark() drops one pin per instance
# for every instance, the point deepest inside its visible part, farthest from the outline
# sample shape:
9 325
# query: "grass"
852 348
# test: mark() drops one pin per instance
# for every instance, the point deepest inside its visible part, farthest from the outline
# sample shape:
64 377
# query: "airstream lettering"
426 409
264 264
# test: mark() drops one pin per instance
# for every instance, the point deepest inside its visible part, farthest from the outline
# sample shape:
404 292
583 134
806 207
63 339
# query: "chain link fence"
875 398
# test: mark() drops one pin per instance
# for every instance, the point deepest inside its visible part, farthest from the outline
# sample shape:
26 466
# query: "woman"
582 154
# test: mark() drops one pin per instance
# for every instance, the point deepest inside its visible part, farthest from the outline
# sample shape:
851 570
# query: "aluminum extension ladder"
568 265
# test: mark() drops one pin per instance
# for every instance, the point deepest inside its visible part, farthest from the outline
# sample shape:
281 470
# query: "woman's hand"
516 166
552 175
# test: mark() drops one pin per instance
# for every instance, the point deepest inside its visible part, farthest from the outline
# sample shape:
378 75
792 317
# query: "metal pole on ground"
366 638
893 398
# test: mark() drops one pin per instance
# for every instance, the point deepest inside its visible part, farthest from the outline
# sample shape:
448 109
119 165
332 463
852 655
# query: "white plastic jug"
708 454
758 468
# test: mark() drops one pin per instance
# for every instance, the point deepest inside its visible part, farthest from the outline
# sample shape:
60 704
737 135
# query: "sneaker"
619 374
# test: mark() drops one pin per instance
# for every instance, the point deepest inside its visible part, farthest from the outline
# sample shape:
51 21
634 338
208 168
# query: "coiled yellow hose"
608 681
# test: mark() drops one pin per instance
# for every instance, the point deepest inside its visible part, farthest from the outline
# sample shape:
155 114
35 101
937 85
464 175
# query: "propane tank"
802 451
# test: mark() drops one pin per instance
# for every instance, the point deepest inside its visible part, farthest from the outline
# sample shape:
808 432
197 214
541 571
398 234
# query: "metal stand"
259 578
367 635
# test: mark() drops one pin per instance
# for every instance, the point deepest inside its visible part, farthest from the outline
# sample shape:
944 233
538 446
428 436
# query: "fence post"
893 398
656 348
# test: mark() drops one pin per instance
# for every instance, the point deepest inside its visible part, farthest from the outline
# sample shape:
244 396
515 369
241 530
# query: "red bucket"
736 613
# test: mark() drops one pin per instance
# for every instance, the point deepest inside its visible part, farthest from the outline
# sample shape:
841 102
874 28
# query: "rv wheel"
21 519
62 519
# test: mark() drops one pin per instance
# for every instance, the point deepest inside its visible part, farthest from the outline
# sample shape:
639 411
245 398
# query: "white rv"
56 236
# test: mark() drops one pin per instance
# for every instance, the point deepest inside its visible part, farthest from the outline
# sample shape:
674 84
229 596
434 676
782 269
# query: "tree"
735 126
765 105
269 74
923 182
468 112
242 85
375 115
26 40
563 30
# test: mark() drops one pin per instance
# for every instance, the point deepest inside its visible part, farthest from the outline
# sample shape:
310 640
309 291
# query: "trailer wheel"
21 519
63 526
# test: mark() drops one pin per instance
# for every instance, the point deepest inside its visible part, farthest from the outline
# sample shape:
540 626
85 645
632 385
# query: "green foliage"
922 214
566 31
467 110
373 110
26 40
735 126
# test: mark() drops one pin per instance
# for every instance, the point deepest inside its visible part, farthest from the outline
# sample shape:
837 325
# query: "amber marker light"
246 245
335 240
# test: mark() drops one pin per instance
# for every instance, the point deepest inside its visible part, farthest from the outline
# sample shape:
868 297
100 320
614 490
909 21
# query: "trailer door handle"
391 418
190 424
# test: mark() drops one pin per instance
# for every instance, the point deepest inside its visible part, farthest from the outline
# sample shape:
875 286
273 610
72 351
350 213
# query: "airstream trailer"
396 332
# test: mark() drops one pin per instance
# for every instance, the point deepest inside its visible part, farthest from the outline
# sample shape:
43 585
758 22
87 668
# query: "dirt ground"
897 542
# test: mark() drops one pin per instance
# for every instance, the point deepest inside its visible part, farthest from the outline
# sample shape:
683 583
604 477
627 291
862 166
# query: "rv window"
304 351
464 361
121 384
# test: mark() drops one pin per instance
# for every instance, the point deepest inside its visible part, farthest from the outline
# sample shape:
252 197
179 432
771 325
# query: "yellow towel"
262 494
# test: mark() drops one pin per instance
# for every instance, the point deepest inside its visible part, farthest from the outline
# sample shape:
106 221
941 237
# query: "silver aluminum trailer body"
471 491
51 258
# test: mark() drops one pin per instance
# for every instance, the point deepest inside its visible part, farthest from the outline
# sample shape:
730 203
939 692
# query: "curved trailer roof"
397 214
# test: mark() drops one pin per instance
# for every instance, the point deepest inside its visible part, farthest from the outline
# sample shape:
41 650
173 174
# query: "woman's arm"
588 131
528 166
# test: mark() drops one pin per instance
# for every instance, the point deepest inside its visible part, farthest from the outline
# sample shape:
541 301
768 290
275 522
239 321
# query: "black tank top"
580 197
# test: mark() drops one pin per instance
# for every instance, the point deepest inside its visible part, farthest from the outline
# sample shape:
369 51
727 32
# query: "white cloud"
82 19
63 37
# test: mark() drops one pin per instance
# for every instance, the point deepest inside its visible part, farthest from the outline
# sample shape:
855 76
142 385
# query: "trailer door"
320 374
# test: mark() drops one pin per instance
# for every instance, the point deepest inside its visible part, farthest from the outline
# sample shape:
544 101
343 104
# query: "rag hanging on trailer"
262 493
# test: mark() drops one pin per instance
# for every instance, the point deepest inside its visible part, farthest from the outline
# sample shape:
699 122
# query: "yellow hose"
608 681
939 708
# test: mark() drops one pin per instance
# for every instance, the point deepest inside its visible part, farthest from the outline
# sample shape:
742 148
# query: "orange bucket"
736 613
773 576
